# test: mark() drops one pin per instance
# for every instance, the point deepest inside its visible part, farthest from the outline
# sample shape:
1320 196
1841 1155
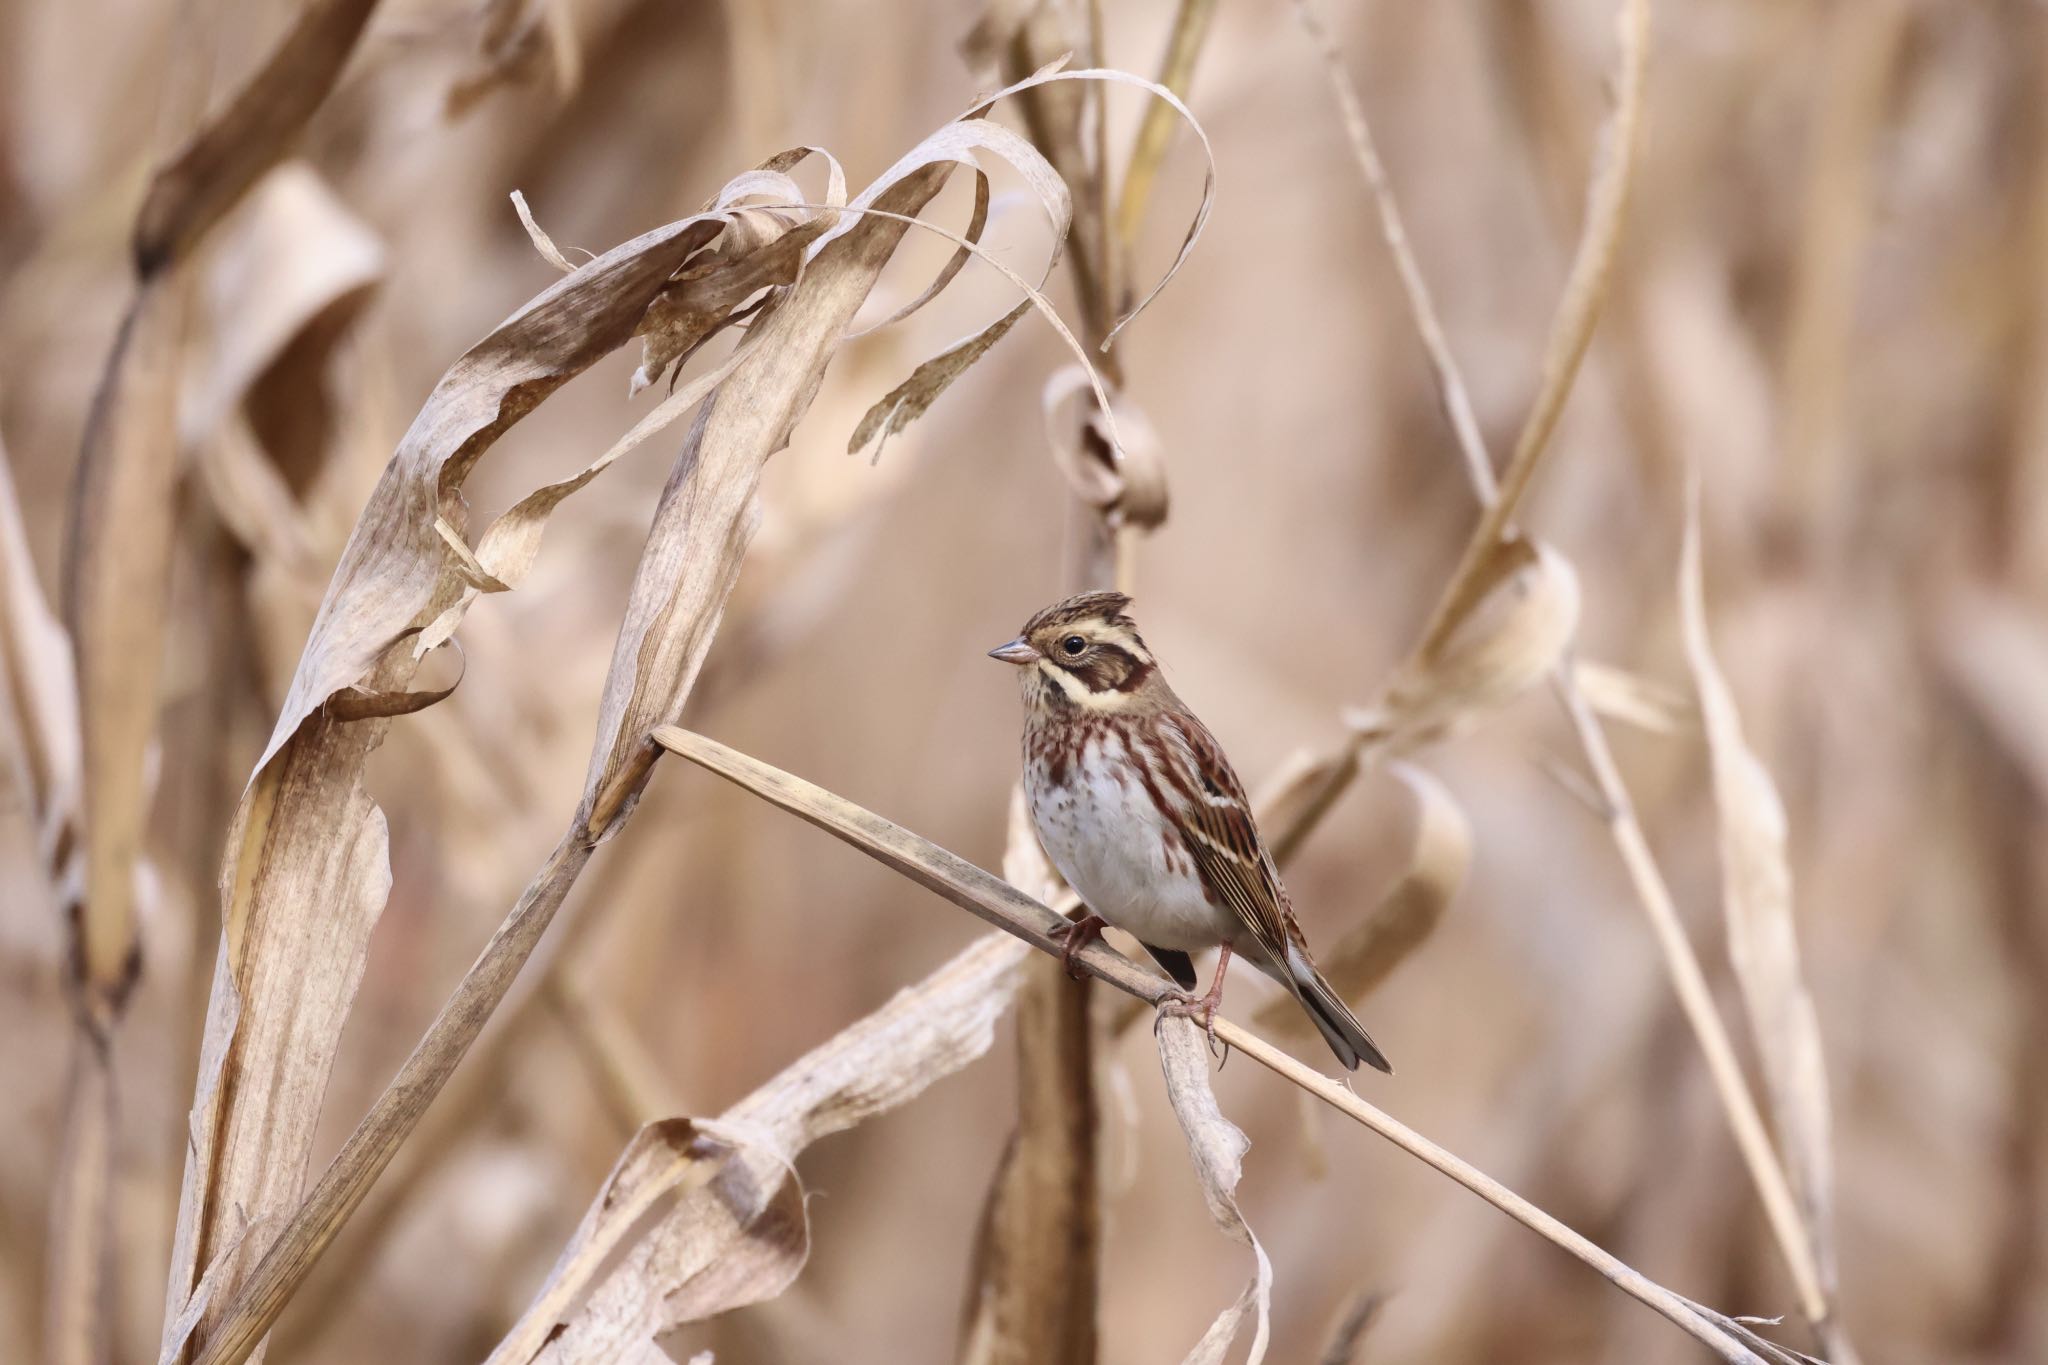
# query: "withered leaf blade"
306 872
737 1233
1763 941
1217 1147
258 126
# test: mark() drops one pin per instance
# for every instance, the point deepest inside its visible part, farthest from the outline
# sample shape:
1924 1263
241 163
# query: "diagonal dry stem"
991 899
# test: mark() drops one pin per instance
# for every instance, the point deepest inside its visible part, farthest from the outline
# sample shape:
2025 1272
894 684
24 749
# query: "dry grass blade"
1572 329
1450 385
736 1232
1155 131
1002 905
1762 935
1347 1333
38 694
1217 1147
1406 915
1633 699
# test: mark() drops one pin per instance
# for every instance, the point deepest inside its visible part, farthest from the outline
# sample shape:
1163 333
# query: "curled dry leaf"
1511 622
914 396
736 1232
1403 919
1217 1147
292 259
1763 940
1114 463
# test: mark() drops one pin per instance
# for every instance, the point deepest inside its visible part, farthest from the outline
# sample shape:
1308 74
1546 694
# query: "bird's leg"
1202 1008
1077 936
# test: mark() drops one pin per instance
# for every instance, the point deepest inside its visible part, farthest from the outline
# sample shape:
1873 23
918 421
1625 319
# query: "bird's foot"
1077 936
1200 1008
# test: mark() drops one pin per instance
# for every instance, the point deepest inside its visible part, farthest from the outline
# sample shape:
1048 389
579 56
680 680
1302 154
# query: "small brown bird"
1140 811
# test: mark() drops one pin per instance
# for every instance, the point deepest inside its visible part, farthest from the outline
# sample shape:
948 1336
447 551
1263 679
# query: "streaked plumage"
1142 814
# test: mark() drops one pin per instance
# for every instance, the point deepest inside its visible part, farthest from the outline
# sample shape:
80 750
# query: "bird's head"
1082 652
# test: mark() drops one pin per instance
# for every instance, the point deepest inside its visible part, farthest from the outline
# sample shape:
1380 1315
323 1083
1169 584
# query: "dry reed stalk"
1034 1290
1002 905
1800 1240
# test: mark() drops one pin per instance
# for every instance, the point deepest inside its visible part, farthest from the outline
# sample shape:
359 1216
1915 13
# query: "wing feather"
1229 856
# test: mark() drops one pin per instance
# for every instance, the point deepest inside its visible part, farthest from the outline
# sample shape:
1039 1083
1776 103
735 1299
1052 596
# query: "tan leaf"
247 138
1763 941
1511 622
736 1232
305 871
1217 1147
116 569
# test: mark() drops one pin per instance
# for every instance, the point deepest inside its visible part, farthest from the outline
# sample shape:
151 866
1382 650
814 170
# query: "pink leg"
1204 1007
1084 931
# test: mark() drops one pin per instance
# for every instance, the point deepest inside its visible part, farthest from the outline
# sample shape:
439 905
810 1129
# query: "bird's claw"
1077 936
1202 1009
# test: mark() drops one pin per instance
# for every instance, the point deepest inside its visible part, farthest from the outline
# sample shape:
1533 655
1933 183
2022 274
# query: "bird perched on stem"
1140 811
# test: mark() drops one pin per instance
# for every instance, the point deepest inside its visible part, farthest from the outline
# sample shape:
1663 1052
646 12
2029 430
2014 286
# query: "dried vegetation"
369 648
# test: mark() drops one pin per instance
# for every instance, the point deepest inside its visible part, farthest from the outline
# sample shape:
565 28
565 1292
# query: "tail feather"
1332 1017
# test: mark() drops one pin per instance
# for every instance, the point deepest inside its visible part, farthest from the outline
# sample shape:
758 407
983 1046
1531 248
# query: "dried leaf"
1763 940
304 876
291 256
1513 619
1217 1147
1113 463
117 566
736 1233
1406 915
700 532
250 135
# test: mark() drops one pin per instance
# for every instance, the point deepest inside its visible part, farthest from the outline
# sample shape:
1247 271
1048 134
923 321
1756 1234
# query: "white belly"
1117 851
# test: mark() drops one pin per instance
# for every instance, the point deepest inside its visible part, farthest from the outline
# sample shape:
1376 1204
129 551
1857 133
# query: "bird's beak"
1015 652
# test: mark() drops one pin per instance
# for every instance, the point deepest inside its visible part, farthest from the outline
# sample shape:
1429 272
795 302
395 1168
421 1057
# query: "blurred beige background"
1832 300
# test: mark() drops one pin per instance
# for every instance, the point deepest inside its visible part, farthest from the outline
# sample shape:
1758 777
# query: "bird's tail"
1333 1018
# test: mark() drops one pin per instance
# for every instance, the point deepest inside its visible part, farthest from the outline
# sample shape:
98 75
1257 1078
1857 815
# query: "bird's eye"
1073 644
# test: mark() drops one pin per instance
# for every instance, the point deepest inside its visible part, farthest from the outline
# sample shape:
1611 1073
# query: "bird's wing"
1229 856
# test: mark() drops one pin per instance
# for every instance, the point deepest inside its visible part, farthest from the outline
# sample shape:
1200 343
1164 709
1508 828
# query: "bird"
1136 805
